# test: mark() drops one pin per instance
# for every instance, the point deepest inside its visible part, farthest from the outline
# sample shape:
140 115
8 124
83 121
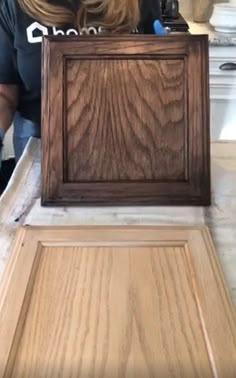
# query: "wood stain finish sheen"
115 302
125 120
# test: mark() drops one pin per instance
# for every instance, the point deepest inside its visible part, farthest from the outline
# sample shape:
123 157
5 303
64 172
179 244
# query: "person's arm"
8 105
9 79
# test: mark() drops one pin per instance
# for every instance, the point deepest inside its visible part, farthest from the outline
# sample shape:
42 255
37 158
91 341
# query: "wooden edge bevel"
213 340
15 289
217 268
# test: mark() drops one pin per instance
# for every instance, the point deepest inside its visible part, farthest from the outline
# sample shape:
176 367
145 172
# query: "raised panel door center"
112 312
125 120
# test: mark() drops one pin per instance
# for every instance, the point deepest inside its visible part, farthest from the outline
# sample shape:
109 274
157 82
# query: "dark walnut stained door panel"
125 121
119 129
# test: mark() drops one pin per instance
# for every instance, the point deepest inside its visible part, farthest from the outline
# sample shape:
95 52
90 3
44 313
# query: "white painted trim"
218 92
222 52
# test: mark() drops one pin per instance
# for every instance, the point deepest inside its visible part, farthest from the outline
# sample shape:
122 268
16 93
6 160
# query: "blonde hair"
113 15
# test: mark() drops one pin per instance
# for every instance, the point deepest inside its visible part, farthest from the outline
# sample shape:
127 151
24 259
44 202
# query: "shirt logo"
36 31
36 27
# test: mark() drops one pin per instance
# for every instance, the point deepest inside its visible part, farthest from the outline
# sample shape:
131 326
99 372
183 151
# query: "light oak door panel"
115 302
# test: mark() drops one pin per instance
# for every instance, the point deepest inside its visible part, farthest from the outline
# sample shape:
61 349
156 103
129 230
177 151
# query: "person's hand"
1 146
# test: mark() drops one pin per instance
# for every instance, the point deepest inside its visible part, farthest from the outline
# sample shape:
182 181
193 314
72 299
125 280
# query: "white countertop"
20 205
215 38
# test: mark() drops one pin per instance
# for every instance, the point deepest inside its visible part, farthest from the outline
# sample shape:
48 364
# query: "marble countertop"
20 205
215 38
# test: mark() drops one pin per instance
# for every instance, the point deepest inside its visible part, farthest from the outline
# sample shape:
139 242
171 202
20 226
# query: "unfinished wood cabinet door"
115 302
125 120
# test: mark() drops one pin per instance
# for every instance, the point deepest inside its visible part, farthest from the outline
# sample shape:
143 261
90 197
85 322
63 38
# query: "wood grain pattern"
125 121
116 302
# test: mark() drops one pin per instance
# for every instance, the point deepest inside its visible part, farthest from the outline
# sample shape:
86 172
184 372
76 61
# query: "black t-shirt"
20 50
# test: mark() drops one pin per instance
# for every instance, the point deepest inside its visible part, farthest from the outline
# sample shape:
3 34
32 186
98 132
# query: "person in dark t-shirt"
23 23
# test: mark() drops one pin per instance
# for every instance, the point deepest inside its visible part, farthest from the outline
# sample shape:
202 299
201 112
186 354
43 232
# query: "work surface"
20 204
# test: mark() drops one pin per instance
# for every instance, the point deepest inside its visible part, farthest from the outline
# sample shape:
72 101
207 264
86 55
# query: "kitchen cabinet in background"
223 92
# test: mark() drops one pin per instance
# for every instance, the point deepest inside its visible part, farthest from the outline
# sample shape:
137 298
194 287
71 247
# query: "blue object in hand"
159 29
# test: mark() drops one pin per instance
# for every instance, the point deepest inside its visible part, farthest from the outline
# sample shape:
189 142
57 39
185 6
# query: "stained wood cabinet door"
125 121
115 302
